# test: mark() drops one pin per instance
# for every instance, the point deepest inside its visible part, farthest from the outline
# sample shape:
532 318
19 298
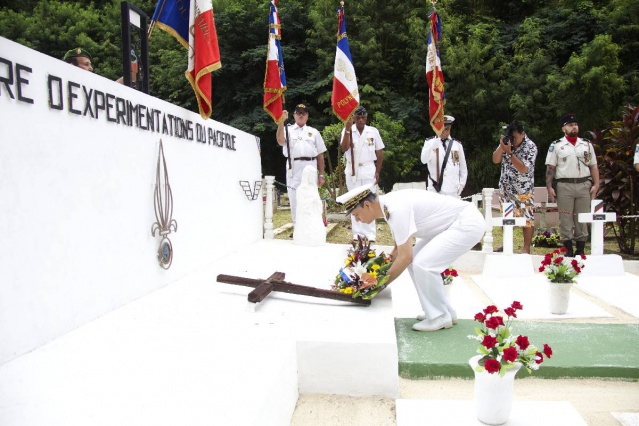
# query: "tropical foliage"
514 59
619 180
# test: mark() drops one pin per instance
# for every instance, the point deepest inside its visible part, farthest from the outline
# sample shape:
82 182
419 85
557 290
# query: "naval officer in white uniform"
444 228
362 146
454 170
307 148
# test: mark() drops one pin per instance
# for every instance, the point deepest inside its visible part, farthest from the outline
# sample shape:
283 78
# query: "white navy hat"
352 198
448 120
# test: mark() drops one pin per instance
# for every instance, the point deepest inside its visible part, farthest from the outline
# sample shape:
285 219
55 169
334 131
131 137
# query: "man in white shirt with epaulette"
444 156
444 228
306 147
572 162
636 161
363 163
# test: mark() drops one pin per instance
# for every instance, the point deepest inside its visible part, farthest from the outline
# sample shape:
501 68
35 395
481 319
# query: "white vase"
558 297
493 394
448 289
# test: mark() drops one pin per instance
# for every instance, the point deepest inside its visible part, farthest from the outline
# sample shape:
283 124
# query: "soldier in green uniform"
572 163
79 57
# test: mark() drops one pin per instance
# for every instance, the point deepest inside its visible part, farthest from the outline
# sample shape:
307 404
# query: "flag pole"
153 21
351 134
288 144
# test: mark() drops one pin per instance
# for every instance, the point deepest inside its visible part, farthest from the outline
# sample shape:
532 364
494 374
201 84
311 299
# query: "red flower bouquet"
500 349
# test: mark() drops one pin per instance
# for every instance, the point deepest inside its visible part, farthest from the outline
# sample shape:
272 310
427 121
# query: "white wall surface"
76 197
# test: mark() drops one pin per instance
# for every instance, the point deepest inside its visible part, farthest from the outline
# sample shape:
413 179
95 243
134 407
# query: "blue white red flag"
274 78
345 97
435 76
199 36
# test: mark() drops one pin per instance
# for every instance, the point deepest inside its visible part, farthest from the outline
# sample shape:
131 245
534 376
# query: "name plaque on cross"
508 221
597 217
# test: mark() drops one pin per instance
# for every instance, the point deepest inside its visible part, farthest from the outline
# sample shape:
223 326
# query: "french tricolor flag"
435 76
275 78
345 97
204 53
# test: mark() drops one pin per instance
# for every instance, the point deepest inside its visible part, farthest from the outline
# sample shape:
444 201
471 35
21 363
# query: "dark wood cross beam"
276 283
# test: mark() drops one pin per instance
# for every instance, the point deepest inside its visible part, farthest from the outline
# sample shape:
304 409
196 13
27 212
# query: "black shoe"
568 245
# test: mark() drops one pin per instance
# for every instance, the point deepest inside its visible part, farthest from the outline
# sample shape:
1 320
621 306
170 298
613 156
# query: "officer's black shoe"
568 245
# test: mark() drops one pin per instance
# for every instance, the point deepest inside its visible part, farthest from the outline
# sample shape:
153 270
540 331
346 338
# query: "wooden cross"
508 221
597 217
276 283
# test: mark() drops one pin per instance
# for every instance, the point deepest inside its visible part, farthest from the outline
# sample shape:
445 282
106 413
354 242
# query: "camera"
508 139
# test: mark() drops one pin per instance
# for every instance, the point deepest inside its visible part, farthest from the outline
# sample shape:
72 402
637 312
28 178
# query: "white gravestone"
508 221
309 225
597 263
508 264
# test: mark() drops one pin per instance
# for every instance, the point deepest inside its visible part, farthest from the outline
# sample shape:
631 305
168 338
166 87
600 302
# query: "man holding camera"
571 163
517 155
446 162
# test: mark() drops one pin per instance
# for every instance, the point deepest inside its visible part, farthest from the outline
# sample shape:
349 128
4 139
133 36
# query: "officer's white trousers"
432 257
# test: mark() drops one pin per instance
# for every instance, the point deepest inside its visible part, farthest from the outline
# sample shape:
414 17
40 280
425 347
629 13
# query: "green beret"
75 53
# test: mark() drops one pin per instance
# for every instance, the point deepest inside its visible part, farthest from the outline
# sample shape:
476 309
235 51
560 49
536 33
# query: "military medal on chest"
455 155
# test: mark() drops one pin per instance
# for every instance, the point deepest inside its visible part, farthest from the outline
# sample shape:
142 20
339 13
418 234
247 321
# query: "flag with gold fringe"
275 77
192 23
345 97
435 76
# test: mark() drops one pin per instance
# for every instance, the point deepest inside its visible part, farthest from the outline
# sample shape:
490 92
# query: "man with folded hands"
305 147
571 164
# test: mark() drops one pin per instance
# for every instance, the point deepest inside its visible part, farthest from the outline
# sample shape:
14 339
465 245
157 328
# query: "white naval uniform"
456 172
445 229
304 142
366 144
636 160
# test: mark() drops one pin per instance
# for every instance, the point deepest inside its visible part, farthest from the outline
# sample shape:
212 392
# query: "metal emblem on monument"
163 204
251 194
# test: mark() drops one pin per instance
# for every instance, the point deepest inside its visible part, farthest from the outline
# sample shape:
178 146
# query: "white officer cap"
352 198
448 120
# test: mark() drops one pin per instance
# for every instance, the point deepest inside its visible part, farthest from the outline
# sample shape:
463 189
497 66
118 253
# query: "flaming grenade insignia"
163 204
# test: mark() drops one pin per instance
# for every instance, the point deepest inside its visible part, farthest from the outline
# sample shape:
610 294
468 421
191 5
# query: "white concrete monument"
309 226
598 264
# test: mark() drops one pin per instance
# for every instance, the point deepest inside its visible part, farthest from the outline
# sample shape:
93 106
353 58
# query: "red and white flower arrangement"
561 269
499 347
448 275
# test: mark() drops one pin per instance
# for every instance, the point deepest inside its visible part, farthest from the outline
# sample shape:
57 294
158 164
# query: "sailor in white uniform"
444 228
362 146
446 175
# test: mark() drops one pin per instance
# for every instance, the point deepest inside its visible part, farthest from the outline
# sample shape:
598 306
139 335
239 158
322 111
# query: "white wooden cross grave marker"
508 221
597 217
